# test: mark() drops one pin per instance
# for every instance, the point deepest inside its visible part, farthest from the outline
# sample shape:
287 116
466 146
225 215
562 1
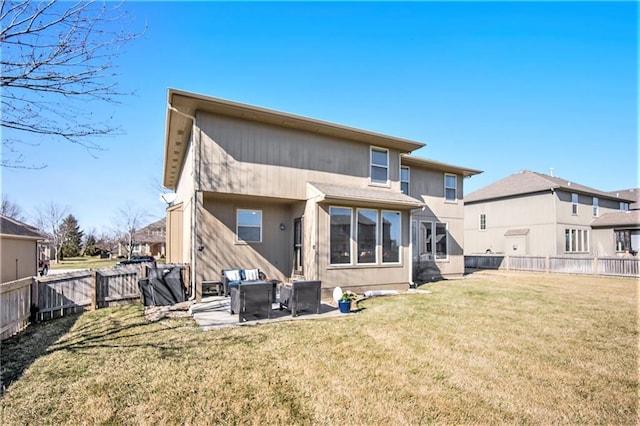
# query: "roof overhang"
365 197
183 106
409 160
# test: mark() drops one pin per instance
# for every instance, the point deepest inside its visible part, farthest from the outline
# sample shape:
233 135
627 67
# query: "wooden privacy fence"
615 266
43 298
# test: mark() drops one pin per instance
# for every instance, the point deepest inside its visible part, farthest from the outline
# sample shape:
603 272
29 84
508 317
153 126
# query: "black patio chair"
301 296
252 300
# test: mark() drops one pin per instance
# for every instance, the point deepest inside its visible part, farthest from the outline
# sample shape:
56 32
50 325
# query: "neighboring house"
148 241
618 233
531 213
302 198
19 249
151 240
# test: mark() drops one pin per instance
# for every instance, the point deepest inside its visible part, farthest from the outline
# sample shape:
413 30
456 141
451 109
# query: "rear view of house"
302 198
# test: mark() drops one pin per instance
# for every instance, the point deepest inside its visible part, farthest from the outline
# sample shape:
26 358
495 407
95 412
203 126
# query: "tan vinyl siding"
534 212
220 250
19 258
251 158
175 234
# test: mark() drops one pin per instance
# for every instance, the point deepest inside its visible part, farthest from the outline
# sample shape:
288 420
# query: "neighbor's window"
367 235
483 221
404 180
391 237
249 226
623 241
379 165
624 207
450 187
574 203
340 235
576 240
441 241
595 206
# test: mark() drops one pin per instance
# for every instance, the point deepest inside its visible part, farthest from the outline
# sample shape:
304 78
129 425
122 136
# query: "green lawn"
493 348
84 262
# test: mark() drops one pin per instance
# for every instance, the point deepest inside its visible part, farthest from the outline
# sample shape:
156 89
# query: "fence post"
94 290
595 266
546 264
508 259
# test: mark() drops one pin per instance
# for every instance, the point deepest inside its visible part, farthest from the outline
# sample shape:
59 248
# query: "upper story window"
483 221
574 203
404 180
624 207
379 165
249 226
450 187
595 206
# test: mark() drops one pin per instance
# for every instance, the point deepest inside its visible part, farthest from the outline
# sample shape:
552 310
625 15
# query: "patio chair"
301 296
252 300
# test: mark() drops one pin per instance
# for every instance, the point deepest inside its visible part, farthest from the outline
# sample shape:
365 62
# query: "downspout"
194 203
555 222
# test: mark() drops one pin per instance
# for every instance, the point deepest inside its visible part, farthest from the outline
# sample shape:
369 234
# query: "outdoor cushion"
251 274
233 275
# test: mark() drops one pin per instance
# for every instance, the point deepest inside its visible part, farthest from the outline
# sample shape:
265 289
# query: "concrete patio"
214 312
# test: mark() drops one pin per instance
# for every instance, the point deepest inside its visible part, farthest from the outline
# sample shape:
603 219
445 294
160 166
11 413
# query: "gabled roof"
628 219
528 182
153 233
15 228
631 194
364 196
410 160
182 108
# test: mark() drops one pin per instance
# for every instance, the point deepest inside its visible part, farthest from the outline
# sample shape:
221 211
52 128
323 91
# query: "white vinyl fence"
613 266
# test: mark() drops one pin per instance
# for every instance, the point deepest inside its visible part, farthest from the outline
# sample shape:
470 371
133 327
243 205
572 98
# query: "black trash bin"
146 290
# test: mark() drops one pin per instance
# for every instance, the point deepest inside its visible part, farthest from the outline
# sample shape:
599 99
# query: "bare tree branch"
56 58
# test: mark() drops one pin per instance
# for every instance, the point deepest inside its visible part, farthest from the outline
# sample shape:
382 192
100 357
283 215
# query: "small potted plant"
345 301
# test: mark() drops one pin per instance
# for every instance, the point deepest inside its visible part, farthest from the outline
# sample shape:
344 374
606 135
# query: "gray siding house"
531 213
303 198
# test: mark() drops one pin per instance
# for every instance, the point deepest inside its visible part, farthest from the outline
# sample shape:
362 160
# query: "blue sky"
496 86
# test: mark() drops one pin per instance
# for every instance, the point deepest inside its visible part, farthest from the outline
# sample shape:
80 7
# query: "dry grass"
493 348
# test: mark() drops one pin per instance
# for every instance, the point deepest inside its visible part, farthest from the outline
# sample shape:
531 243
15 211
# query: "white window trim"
399 262
351 239
480 222
371 165
238 240
455 198
574 203
377 232
408 181
586 241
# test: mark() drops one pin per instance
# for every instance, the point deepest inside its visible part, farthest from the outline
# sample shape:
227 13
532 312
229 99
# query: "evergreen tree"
72 241
91 247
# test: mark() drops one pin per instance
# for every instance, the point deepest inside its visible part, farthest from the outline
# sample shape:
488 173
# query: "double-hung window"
595 206
624 207
450 187
574 203
404 180
483 221
379 166
340 236
249 226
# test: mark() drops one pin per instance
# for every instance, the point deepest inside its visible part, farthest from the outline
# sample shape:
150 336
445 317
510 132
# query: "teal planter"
345 307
